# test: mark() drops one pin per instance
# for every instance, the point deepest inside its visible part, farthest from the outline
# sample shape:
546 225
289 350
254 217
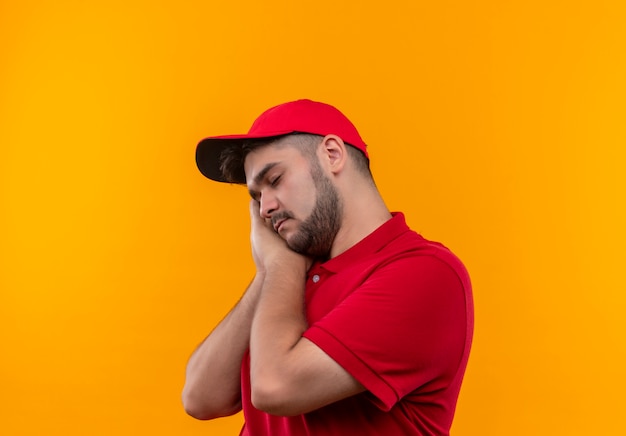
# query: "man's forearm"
291 375
277 327
212 384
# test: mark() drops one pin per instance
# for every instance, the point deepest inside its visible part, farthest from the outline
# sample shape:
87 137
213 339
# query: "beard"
317 233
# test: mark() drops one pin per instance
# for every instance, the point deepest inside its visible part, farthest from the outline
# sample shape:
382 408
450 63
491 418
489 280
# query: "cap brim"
209 150
208 154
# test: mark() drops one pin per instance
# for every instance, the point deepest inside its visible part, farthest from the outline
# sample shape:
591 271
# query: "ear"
334 153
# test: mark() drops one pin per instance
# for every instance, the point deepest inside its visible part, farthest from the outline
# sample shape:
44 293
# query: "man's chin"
297 249
294 245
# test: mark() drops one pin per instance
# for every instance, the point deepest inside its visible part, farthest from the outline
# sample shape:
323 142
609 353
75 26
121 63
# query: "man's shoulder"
411 244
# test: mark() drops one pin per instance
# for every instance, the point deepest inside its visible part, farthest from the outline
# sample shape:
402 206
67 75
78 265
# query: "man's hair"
232 158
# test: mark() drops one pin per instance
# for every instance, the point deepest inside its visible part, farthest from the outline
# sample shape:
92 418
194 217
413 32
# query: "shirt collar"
369 245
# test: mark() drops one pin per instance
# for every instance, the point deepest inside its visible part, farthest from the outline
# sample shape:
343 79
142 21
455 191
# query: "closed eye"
274 181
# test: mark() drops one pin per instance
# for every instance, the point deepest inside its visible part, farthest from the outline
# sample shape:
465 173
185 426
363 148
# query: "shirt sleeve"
402 331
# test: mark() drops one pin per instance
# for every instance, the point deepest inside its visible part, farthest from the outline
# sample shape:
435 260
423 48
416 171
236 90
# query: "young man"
353 323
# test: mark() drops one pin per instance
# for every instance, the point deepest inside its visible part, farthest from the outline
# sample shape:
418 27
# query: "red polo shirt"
396 312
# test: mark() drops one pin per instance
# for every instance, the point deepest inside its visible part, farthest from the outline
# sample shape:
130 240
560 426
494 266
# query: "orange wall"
497 127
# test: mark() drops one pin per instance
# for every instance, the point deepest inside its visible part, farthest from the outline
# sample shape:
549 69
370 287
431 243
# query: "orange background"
497 127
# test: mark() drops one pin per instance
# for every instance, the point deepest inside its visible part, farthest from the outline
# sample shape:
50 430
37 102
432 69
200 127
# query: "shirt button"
316 278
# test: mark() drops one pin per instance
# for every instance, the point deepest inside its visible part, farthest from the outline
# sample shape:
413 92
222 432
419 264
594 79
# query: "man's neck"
362 216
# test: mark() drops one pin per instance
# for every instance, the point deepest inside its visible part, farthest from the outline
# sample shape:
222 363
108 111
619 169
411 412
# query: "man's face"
295 194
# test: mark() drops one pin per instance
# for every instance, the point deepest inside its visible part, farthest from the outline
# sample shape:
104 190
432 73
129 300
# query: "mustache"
280 216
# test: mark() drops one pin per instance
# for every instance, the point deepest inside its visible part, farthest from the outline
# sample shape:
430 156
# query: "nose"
267 205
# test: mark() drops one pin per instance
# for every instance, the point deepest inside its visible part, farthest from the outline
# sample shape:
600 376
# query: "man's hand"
269 250
289 374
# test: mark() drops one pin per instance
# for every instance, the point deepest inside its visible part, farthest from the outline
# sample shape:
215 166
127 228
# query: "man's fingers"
255 213
254 208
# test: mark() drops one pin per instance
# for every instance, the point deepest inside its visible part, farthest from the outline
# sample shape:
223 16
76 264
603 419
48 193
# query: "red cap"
300 116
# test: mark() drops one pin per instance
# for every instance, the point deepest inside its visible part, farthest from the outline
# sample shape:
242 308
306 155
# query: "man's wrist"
292 264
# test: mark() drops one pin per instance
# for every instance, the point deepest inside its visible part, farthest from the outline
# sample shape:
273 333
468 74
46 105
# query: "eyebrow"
260 176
